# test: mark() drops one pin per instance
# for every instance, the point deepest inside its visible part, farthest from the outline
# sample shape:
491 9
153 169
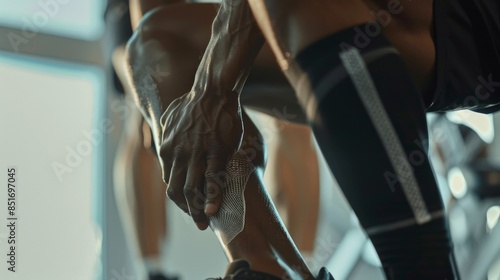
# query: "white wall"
44 110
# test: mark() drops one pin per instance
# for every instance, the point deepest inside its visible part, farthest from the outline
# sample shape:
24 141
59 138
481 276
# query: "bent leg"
369 120
138 185
151 202
261 236
298 174
144 171
139 194
292 177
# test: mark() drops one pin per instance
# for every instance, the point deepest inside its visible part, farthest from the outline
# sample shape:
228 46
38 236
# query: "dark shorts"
468 55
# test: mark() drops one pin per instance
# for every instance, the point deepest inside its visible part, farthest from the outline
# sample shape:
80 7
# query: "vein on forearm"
236 40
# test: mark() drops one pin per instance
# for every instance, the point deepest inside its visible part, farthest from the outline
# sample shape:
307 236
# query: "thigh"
408 25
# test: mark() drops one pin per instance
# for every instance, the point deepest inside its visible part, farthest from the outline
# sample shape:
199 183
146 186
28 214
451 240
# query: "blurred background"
62 118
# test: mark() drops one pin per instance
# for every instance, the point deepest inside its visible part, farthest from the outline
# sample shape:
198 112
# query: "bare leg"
138 186
296 173
139 189
303 22
361 142
139 193
292 177
151 218
264 241
123 188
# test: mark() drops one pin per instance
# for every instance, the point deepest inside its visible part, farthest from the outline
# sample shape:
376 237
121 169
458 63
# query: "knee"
162 38
154 28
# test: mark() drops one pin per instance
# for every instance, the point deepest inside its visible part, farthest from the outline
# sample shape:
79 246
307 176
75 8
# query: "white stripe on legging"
355 66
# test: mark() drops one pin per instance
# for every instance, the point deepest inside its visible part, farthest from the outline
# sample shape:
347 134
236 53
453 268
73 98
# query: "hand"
199 135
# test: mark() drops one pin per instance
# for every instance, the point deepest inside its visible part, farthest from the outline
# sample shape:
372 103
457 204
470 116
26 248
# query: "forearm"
235 43
162 57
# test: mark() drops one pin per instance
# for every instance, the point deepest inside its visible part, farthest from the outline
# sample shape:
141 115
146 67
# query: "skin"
208 118
138 8
198 132
264 241
181 42
294 176
210 109
139 196
269 240
409 31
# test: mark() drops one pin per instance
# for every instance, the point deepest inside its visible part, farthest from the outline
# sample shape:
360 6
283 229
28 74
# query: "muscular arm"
202 129
236 40
152 54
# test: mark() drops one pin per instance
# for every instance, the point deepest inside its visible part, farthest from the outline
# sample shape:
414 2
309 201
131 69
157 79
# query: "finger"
175 187
215 177
194 192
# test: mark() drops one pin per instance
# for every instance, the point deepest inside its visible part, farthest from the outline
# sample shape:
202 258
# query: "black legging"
371 127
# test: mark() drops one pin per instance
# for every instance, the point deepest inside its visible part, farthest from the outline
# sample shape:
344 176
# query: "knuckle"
197 156
217 177
210 174
195 212
215 168
213 191
216 147
197 152
180 154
